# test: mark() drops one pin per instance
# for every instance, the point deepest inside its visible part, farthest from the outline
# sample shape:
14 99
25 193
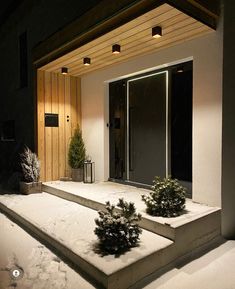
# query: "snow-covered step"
69 228
196 226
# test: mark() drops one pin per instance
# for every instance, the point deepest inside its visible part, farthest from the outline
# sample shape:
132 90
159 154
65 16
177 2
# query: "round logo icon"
16 273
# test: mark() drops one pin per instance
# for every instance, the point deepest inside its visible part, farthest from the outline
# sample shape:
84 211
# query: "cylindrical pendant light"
157 32
64 70
116 49
86 61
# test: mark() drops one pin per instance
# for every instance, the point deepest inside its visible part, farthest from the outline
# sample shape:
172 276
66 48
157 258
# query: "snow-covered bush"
167 198
30 166
118 231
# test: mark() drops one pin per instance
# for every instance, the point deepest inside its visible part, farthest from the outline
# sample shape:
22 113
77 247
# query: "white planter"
30 188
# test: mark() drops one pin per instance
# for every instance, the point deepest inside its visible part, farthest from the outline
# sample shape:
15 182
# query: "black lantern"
89 172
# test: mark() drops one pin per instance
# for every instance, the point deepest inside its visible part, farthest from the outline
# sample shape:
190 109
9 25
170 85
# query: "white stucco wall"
206 52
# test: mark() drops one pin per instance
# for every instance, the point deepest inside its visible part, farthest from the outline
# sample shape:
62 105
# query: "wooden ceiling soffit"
101 19
135 38
105 17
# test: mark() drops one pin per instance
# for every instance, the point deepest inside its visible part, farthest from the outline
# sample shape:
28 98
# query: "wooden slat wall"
58 94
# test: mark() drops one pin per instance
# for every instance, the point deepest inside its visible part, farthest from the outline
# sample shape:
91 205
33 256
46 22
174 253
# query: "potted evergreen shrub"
77 155
167 198
118 231
31 173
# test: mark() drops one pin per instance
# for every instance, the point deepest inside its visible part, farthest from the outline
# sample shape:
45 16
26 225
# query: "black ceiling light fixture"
86 61
116 49
157 32
180 69
64 70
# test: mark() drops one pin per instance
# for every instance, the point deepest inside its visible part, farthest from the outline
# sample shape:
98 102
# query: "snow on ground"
213 270
73 225
42 268
109 191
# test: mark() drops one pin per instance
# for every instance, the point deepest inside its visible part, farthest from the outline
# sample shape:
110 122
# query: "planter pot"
77 175
30 188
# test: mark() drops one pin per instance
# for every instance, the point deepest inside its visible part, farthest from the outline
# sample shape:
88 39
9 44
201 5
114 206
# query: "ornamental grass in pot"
31 173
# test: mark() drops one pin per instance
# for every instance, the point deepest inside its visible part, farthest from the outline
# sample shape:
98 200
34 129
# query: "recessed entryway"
150 126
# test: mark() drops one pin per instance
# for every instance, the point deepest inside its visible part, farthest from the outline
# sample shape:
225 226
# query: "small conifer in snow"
30 166
118 231
167 198
77 150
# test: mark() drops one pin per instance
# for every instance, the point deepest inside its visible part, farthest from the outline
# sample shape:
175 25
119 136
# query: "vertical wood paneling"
78 104
55 130
48 130
56 94
62 150
73 107
40 117
68 121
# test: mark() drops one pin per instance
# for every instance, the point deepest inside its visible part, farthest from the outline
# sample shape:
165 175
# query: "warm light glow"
86 61
116 49
64 70
157 32
180 69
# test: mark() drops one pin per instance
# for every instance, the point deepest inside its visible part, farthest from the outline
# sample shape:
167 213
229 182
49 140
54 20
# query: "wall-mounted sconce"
86 61
64 70
157 32
116 49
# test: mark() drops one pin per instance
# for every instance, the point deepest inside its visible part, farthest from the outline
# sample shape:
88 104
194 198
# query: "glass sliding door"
147 140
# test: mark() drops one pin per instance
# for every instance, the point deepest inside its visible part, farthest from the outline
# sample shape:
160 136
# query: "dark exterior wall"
40 19
228 156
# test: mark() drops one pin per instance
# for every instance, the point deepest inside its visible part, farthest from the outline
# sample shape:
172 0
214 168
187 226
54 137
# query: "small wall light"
157 32
86 61
116 49
180 69
64 70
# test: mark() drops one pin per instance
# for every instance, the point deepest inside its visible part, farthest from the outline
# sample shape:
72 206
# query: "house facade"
158 106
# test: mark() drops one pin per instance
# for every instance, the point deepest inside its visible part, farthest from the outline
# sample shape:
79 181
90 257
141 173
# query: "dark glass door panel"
147 128
181 125
117 129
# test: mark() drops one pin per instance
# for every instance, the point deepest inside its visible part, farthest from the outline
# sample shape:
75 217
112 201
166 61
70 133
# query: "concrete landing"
196 226
69 228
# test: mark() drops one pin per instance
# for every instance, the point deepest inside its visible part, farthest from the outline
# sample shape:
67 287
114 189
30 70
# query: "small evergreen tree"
77 150
118 231
30 166
167 198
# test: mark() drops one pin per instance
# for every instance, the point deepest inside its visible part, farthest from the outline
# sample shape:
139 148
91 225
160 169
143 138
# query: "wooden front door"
58 96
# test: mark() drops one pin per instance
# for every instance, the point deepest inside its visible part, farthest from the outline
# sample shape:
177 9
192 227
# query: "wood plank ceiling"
135 39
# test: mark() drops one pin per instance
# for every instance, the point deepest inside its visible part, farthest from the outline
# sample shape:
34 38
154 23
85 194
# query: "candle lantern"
89 172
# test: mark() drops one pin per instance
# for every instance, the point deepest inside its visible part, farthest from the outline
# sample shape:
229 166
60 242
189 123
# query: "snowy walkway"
44 270
110 191
69 227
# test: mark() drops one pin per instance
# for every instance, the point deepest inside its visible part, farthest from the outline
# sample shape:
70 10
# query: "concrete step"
196 226
69 228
